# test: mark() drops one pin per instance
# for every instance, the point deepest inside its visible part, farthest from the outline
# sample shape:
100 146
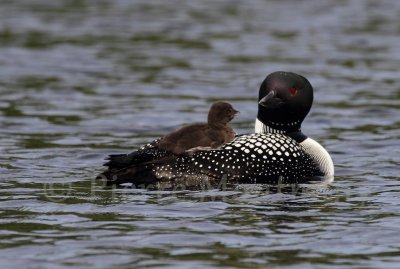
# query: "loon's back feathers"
254 158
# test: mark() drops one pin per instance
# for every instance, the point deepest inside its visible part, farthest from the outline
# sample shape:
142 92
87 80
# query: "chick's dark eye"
293 91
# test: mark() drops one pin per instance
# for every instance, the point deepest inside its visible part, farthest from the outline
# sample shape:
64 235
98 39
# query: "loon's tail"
136 174
124 160
135 167
140 174
118 160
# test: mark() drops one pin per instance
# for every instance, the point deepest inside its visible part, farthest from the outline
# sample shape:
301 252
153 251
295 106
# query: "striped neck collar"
261 128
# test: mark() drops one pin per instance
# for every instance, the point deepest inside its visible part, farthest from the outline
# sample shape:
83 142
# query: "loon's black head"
284 101
221 113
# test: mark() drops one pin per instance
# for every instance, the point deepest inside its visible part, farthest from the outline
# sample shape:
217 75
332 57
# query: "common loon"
202 136
278 152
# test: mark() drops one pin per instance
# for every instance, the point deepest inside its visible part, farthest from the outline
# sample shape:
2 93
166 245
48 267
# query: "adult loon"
278 152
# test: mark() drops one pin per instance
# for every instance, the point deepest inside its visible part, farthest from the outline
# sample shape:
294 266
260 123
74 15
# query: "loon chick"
278 152
201 136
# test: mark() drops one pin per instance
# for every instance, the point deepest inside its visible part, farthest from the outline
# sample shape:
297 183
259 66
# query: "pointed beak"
264 101
235 112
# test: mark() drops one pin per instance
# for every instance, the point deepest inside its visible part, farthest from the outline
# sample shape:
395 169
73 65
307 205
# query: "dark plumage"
194 137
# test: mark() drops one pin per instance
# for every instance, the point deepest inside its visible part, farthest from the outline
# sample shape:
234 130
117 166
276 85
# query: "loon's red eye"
293 91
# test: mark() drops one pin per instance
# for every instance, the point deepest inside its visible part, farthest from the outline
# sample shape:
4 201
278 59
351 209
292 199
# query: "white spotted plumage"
287 162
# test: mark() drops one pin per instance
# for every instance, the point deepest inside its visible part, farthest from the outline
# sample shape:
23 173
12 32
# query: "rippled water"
83 79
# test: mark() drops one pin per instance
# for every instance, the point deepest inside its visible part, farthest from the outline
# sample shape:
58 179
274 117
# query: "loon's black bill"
270 100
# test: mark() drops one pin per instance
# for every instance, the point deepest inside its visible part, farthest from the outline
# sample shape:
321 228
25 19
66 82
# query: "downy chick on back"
202 136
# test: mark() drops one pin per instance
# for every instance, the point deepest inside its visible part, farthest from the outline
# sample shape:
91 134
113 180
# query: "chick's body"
212 134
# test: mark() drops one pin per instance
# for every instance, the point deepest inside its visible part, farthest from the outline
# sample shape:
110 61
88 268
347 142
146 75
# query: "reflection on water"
81 79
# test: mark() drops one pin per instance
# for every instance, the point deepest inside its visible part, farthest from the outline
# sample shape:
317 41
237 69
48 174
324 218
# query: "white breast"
319 154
